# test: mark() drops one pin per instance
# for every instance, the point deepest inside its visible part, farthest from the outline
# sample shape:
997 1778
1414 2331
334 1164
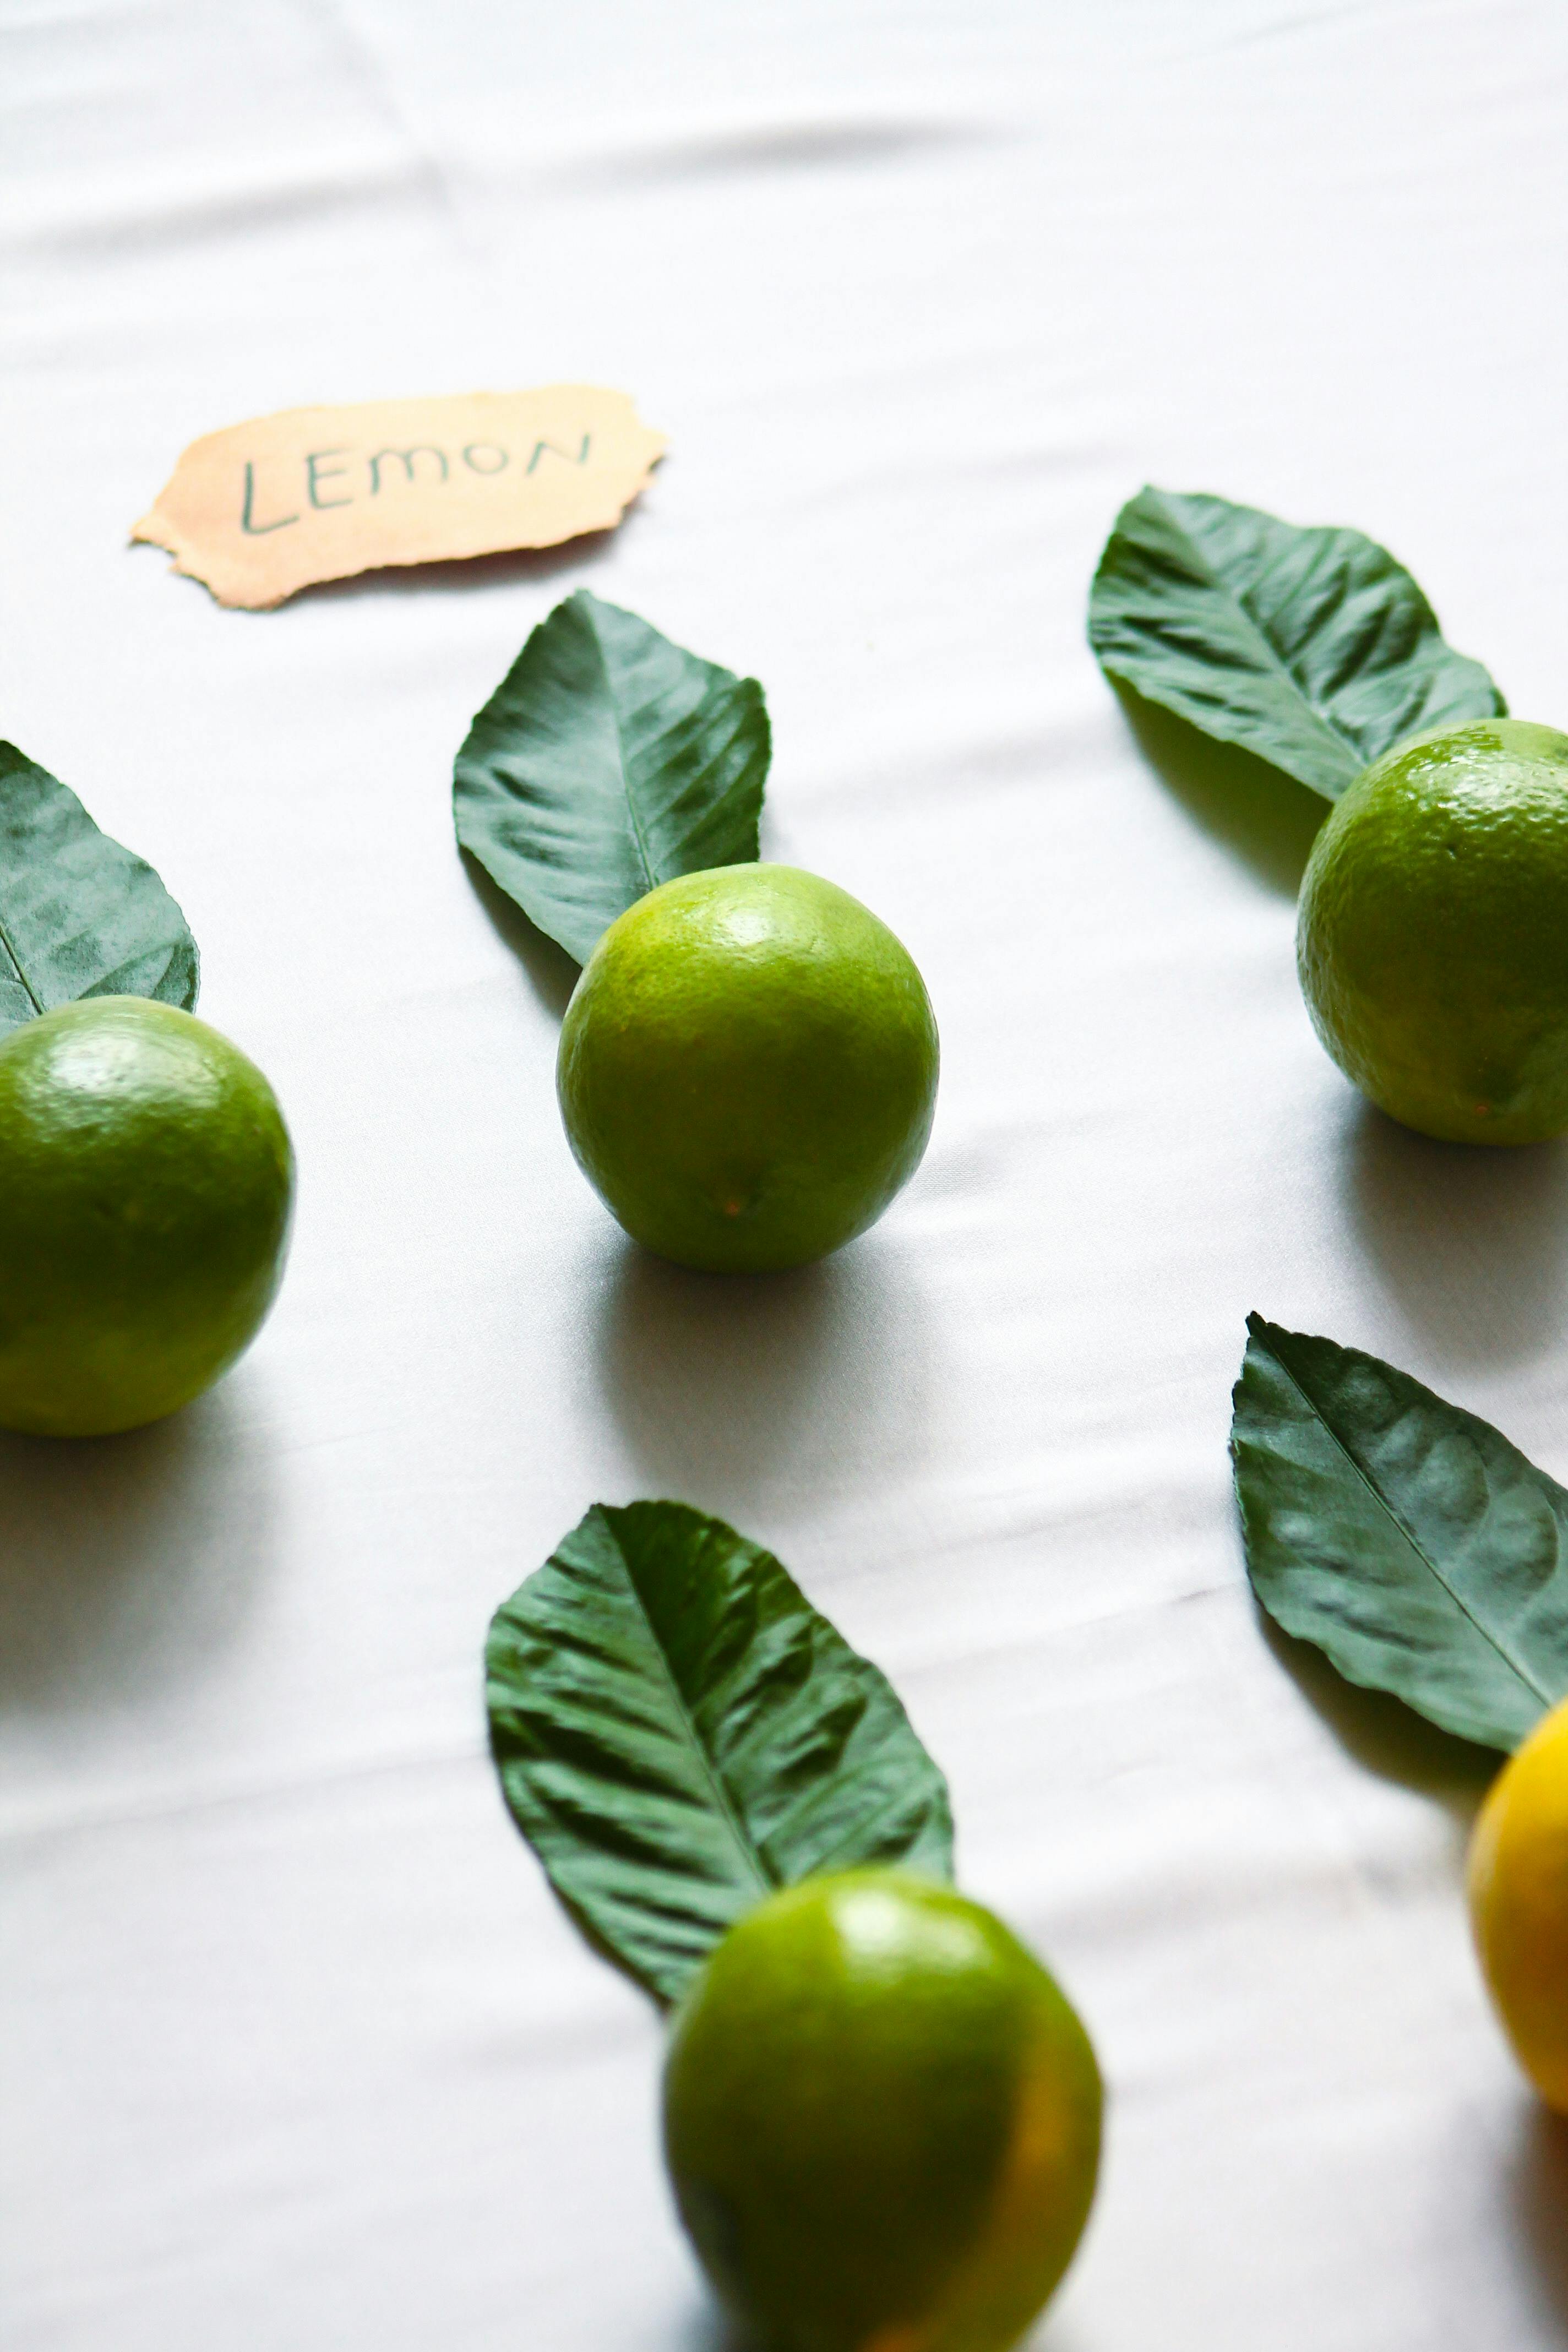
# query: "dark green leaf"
1314 648
608 760
79 915
678 1732
1409 1541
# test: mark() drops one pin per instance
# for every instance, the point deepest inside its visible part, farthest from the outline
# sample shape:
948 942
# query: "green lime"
145 1185
748 1068
881 2119
1433 936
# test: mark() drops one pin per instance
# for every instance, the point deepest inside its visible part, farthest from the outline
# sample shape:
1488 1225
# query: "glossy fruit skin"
1433 933
146 1184
748 1068
1519 1902
882 2120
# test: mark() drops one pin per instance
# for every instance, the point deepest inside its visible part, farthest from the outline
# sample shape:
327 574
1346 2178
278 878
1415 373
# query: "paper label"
264 508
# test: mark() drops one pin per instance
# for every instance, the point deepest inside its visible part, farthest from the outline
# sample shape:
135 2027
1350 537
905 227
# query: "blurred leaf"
79 915
1409 1541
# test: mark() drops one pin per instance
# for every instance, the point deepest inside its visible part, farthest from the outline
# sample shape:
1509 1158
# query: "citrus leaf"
606 761
1408 1540
678 1732
1311 647
79 915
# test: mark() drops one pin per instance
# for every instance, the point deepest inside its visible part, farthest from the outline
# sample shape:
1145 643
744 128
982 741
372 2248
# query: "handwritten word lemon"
882 2120
1433 934
1519 1902
145 1186
748 1068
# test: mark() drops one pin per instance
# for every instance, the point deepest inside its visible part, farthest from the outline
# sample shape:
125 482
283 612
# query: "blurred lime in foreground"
1519 1902
748 1068
882 2120
146 1181
1433 935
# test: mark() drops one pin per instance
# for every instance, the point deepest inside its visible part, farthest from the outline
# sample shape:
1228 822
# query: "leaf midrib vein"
649 878
16 961
1416 1546
1223 588
721 1794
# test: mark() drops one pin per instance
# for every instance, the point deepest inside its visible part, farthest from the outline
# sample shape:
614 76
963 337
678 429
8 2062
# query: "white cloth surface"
297 2053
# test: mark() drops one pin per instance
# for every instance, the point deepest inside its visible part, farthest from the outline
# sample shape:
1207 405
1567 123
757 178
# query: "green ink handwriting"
407 456
333 474
258 530
482 457
541 446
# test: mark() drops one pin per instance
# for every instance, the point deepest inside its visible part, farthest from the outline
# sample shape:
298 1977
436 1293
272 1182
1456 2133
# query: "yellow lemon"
1519 1902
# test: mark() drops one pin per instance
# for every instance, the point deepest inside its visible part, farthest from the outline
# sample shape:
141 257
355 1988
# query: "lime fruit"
145 1185
1433 935
881 2119
748 1068
1519 1902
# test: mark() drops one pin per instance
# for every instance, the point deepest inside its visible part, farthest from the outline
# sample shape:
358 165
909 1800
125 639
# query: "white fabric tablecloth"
297 2053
